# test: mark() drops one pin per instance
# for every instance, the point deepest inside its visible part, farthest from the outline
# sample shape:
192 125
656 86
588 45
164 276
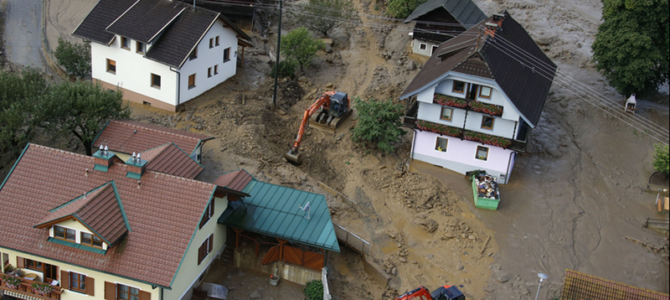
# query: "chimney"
498 18
103 159
136 166
490 29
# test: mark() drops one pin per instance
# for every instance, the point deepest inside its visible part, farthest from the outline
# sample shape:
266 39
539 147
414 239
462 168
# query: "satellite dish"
306 209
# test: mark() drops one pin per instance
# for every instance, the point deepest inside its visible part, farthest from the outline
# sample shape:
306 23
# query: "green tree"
76 58
378 122
314 290
286 69
82 109
323 15
299 46
632 47
402 8
19 92
661 160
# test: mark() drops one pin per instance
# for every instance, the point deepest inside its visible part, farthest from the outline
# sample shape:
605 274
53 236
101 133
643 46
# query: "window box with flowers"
439 128
42 288
490 109
445 100
487 139
11 282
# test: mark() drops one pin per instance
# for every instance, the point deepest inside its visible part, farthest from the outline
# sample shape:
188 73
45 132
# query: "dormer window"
90 240
65 233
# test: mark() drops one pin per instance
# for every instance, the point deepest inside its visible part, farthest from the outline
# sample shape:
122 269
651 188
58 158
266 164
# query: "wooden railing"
26 289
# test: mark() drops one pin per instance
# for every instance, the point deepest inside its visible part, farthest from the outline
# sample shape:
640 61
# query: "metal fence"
351 240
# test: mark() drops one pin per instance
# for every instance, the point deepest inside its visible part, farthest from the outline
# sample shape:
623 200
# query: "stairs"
228 257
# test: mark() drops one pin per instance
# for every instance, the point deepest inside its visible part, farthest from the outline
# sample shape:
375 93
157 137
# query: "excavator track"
333 123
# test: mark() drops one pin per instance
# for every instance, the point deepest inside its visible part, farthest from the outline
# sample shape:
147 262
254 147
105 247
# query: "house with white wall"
476 100
106 227
161 53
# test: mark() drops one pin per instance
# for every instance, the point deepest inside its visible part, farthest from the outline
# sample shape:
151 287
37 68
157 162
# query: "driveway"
22 34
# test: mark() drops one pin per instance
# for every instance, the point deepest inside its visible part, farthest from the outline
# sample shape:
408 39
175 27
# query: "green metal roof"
272 210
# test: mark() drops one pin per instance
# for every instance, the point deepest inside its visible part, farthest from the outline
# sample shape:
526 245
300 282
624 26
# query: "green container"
484 203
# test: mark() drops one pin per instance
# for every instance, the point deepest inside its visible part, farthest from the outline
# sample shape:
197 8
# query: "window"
33 265
487 122
226 55
205 248
211 43
65 233
432 50
111 66
446 113
217 41
191 81
77 282
441 144
472 91
155 81
139 47
209 72
216 69
125 43
50 273
485 92
482 153
90 240
194 54
422 46
209 212
128 293
459 86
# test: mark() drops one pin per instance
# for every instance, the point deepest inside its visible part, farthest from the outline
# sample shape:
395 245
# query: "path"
23 36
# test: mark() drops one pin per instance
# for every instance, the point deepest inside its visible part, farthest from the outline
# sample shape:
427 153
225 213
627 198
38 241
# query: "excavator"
332 108
446 292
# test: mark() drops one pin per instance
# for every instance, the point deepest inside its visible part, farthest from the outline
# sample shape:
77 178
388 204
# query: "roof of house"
583 286
506 58
235 180
128 136
274 210
173 27
100 210
466 12
164 208
170 159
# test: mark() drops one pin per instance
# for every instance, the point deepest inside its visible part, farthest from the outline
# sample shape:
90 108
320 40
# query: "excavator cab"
447 293
339 104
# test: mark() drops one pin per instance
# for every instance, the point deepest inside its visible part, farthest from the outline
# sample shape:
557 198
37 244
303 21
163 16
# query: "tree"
18 94
661 160
286 69
632 45
76 58
324 15
299 46
378 122
402 8
82 109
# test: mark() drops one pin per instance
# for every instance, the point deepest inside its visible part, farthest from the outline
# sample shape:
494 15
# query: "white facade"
133 71
424 48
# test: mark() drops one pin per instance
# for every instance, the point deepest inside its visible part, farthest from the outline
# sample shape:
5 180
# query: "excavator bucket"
293 157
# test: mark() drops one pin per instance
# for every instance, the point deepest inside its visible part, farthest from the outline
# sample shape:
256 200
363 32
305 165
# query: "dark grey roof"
525 86
105 12
466 12
146 19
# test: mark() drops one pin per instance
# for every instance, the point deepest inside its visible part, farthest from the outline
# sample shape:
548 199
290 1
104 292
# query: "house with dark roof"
438 21
101 227
159 52
476 100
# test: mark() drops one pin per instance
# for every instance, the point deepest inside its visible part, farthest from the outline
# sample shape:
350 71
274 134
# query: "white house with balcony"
476 100
159 52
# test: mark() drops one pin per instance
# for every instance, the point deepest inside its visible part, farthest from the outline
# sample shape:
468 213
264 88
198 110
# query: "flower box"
438 128
487 139
445 100
42 288
490 109
11 282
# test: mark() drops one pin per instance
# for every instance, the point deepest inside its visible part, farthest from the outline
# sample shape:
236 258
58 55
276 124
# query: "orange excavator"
446 292
332 108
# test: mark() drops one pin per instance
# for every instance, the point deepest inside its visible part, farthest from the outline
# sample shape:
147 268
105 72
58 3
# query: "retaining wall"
245 259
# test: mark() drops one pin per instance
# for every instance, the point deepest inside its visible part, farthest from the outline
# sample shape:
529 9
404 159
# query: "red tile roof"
171 160
235 180
163 214
120 136
582 286
99 210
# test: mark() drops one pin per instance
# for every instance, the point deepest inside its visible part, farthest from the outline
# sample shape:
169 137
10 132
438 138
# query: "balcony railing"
468 104
25 288
465 134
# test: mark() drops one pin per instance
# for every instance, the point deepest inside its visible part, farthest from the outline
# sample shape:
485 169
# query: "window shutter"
204 220
90 286
200 253
211 208
145 295
64 279
110 291
20 262
209 243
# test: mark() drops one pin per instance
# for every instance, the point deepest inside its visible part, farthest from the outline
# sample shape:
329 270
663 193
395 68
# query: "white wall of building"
501 127
428 51
133 71
432 112
208 58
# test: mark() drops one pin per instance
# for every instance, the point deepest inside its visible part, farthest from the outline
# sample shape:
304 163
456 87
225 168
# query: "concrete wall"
190 272
372 269
137 97
428 51
245 258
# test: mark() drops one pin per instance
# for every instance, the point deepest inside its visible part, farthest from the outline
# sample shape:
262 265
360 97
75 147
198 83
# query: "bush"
286 69
314 290
402 8
76 58
299 46
378 122
661 161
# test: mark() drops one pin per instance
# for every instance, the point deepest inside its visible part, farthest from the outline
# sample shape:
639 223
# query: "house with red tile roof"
125 137
104 227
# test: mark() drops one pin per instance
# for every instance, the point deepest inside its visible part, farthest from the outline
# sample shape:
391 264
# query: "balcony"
26 291
467 104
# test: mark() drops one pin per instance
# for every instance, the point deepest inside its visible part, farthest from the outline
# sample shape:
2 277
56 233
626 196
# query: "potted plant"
42 288
11 282
274 278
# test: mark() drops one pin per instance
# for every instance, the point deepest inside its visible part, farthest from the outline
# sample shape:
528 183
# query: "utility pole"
274 95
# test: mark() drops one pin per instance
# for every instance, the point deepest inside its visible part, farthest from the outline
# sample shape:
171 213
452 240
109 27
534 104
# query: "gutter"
178 86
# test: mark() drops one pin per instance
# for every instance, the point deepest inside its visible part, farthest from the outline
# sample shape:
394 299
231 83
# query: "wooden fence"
351 240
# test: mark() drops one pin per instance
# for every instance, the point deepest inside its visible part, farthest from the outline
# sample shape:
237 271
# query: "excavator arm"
292 155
